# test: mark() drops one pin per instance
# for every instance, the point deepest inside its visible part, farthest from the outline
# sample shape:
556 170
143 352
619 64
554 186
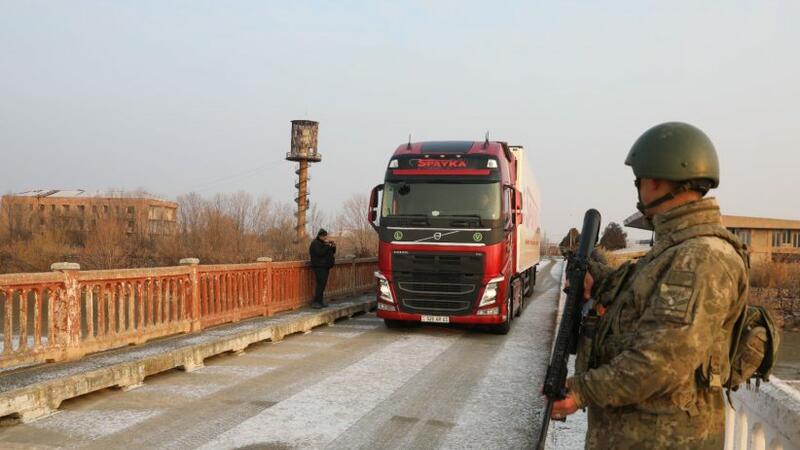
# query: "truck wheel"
505 327
531 281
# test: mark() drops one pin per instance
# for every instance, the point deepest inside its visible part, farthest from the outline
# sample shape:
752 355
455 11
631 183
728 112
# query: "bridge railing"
68 313
767 418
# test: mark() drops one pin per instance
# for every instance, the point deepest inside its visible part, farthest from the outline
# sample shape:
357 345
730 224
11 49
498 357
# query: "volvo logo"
437 235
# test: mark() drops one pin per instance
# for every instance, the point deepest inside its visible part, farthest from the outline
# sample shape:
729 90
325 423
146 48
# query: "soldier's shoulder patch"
673 299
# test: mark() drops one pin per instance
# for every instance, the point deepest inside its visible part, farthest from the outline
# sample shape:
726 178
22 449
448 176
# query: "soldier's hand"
565 407
588 282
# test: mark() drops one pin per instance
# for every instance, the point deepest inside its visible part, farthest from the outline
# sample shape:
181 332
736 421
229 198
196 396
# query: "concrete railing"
68 313
767 418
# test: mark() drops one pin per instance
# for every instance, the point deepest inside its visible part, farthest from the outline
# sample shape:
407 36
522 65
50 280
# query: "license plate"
436 319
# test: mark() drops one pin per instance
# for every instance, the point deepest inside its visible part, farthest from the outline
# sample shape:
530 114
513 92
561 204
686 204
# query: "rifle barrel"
554 386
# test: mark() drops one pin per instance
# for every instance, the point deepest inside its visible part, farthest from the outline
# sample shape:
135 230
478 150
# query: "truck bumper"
469 319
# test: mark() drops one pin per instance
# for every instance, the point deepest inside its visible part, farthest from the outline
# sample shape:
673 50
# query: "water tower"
304 151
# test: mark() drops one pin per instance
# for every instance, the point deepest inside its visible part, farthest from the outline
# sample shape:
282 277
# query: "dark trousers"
321 276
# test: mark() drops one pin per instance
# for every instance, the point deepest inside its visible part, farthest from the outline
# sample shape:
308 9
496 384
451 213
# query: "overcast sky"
176 96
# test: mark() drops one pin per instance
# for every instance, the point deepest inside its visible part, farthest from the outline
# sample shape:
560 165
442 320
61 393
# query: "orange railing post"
194 299
265 285
67 311
353 281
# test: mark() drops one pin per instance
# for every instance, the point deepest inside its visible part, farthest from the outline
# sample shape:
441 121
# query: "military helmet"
675 151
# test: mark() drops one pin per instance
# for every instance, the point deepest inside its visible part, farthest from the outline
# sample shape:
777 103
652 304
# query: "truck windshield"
442 200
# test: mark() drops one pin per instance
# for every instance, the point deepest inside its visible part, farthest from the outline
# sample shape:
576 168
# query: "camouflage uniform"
569 245
656 359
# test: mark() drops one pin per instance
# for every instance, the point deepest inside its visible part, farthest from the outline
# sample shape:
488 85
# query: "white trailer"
529 233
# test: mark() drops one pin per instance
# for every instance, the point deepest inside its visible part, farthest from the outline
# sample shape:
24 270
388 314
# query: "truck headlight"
490 293
385 292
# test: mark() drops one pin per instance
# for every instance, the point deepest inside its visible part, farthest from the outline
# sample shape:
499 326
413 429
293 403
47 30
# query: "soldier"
658 356
569 245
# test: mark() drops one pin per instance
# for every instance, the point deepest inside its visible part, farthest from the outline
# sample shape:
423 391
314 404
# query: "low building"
768 239
81 211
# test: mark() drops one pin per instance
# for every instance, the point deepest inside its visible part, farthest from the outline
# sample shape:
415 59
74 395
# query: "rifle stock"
555 380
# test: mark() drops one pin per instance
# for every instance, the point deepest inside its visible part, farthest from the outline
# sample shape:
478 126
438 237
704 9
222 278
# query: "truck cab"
454 242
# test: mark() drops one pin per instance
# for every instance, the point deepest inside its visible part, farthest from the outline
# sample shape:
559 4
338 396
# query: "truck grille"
446 306
436 288
437 283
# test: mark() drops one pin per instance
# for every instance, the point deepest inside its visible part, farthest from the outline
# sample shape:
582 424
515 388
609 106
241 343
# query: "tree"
355 227
614 237
107 246
316 219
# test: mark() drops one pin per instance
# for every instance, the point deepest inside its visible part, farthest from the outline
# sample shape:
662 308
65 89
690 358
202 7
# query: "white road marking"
315 344
358 327
191 391
93 424
284 356
339 334
317 415
239 371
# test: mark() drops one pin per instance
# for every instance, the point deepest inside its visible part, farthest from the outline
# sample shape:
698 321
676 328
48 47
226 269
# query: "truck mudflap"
468 319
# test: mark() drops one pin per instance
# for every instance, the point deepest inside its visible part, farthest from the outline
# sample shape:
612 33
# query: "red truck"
459 234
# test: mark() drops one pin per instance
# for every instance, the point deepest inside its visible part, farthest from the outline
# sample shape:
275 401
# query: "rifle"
567 338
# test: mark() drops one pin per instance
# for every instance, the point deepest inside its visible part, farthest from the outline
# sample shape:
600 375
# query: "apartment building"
81 211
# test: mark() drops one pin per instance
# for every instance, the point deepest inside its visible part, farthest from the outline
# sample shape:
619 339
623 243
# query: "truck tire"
505 327
530 282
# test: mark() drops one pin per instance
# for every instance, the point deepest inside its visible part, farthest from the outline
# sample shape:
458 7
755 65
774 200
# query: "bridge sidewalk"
35 392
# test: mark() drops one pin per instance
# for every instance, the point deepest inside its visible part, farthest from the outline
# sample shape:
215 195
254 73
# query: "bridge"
229 357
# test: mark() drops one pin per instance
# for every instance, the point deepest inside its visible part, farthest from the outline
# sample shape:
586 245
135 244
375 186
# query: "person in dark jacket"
321 251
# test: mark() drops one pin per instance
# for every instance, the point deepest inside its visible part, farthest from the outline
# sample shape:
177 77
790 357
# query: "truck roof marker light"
440 172
491 164
393 164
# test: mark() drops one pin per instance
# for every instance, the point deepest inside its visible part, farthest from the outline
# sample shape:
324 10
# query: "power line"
249 173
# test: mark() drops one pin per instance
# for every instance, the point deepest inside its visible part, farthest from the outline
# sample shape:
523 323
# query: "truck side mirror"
372 212
509 209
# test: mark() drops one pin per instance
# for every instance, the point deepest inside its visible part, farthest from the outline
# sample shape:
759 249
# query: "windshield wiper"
412 219
465 222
